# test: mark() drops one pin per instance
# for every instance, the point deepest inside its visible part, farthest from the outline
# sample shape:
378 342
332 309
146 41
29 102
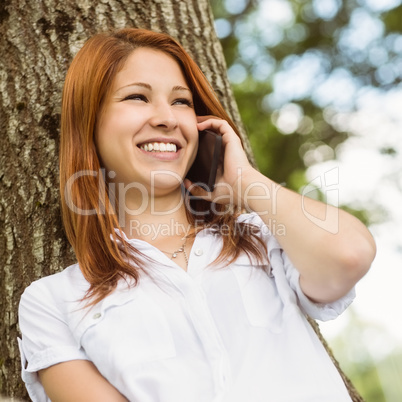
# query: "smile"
159 147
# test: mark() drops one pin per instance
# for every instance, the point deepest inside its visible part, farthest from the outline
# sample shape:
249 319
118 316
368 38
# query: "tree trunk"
38 41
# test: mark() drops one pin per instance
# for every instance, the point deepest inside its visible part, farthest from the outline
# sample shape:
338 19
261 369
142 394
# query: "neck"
158 217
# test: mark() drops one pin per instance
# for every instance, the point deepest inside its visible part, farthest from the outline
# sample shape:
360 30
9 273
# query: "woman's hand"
331 249
235 165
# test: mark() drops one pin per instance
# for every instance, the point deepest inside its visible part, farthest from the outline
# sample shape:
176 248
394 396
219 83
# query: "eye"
136 97
183 101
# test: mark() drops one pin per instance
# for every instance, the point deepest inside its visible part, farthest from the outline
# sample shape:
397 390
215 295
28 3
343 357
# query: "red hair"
89 219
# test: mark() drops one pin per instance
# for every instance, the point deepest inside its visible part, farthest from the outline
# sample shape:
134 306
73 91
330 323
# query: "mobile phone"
207 161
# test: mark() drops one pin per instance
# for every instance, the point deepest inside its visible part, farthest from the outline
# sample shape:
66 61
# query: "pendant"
174 255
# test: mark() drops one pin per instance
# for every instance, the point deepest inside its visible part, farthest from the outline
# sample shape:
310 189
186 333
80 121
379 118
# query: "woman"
176 295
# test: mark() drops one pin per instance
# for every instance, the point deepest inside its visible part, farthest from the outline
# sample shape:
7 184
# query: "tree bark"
38 41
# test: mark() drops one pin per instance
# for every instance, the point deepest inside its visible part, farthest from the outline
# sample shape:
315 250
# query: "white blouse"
211 334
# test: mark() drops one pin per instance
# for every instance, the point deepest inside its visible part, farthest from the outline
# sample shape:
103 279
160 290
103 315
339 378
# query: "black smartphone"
209 157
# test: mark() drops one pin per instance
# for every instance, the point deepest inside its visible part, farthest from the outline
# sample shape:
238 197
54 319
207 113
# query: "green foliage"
286 60
376 374
365 379
393 20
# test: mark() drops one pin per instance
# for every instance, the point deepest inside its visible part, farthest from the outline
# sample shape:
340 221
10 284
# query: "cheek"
107 139
106 149
194 153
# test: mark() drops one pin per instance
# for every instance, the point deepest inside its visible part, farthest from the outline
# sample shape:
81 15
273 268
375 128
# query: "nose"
163 117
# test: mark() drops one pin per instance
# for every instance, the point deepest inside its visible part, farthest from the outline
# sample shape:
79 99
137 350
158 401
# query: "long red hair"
88 216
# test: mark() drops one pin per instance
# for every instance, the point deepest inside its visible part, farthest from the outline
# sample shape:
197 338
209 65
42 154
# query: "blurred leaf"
393 20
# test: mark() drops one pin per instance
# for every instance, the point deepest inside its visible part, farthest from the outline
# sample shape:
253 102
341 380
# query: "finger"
220 126
213 123
200 119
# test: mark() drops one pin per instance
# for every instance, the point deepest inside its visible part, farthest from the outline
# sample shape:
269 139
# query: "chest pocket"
126 331
259 294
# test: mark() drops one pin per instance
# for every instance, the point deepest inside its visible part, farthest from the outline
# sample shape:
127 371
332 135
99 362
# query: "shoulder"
253 222
69 283
251 218
49 302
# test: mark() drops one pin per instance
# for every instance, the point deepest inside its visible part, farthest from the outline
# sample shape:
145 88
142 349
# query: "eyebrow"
180 88
147 86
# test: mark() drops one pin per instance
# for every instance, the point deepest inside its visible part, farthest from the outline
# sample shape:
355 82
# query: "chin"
165 179
166 192
164 185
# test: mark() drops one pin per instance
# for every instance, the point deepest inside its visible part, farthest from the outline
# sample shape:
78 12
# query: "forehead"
151 66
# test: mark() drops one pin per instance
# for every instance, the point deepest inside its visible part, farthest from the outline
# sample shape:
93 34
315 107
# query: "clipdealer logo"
327 184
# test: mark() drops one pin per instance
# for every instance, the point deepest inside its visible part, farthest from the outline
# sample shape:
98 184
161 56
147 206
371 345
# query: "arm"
76 381
331 252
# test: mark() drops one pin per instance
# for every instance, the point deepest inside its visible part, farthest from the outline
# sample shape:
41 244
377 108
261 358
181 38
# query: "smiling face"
148 122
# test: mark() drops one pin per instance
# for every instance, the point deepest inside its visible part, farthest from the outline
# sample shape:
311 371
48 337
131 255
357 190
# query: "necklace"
182 249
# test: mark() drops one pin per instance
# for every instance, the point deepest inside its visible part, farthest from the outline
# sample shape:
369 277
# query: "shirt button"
96 316
198 252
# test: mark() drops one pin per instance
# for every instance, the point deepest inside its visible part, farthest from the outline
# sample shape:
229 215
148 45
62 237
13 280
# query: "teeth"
171 147
159 147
